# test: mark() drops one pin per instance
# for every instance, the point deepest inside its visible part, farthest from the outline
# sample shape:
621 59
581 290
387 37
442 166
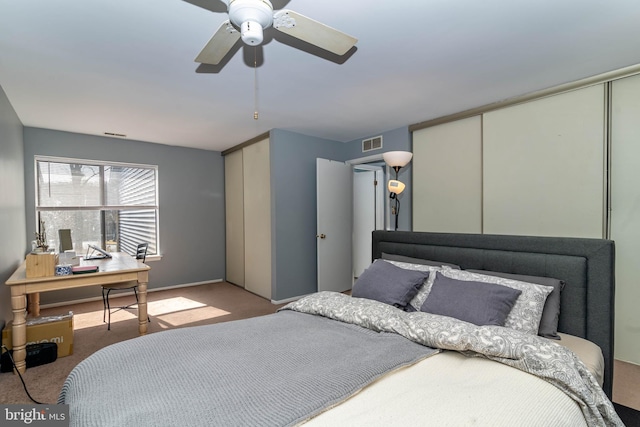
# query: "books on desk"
83 269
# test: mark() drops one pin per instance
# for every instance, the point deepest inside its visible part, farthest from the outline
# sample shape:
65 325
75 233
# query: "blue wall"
392 140
191 200
12 203
293 183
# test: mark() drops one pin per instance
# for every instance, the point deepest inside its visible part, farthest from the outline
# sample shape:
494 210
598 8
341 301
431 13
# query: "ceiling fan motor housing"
251 16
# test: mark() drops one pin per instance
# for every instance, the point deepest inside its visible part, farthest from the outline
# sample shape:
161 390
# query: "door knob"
322 236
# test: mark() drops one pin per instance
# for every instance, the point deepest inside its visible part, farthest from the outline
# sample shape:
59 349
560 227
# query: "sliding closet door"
625 213
234 210
257 218
447 177
543 166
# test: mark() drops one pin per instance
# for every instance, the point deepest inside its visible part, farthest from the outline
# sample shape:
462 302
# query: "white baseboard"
124 294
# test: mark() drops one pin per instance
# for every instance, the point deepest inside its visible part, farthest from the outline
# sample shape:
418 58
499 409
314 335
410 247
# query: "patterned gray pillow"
551 313
527 311
474 302
417 301
387 283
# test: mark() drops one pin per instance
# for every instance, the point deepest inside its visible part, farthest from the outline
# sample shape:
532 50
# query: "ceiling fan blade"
210 5
220 44
313 32
279 4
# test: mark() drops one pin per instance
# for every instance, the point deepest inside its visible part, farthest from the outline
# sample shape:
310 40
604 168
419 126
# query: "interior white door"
334 182
368 212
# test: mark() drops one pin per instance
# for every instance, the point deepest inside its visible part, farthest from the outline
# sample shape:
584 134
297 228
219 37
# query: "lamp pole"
396 208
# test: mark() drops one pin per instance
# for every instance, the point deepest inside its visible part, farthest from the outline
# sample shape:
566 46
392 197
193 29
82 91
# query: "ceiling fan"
249 18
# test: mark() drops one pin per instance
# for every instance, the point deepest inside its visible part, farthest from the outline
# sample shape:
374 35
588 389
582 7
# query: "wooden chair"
141 255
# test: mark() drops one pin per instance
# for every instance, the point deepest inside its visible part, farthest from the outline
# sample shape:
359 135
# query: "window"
111 205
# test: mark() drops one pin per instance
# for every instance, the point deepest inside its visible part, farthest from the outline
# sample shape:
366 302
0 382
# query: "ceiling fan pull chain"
255 83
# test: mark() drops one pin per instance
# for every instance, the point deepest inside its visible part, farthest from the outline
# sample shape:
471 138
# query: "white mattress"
588 352
450 389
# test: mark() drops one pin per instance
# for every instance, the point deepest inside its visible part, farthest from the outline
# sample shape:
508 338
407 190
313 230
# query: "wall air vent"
374 143
118 135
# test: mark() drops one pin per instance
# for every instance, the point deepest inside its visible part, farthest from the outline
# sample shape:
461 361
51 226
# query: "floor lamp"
396 160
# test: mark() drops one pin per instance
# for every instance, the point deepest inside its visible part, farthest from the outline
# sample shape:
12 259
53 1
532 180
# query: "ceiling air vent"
374 143
118 135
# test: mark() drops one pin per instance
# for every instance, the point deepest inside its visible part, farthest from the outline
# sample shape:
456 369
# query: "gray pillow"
526 312
551 312
474 302
410 260
417 301
385 282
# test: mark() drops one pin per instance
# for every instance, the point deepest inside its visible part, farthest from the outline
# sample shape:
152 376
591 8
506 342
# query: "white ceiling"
126 66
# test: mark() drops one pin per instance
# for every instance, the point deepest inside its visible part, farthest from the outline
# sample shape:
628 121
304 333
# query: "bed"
333 359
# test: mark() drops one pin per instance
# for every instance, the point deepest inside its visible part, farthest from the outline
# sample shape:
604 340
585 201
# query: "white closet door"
543 166
234 210
625 214
257 218
447 177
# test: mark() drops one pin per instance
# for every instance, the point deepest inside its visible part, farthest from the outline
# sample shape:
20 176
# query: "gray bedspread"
529 353
274 370
283 368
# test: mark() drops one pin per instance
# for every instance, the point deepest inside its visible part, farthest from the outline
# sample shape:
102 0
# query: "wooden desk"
120 268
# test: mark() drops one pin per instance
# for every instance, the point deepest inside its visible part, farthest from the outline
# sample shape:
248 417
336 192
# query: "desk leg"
19 329
143 279
33 304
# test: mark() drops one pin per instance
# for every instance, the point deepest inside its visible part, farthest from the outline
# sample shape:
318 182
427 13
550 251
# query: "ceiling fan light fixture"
252 17
251 33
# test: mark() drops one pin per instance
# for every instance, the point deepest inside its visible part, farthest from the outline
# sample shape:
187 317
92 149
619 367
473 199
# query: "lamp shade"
395 186
397 158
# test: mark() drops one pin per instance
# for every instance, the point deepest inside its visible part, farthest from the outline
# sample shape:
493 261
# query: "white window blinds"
112 205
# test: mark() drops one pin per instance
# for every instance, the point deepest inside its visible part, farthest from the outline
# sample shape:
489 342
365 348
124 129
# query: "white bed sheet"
450 389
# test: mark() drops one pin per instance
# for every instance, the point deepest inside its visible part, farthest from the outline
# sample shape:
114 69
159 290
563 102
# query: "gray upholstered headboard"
586 265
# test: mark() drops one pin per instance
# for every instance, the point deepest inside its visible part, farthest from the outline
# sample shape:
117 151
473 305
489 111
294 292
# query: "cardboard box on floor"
57 329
